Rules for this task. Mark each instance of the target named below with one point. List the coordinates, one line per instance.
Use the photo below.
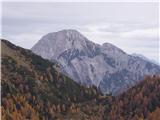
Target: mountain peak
(92, 64)
(69, 34)
(55, 43)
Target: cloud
(150, 33)
(118, 31)
(29, 39)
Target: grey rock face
(105, 66)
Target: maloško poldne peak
(105, 66)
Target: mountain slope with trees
(33, 88)
(142, 102)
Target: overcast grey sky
(133, 27)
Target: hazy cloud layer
(132, 27)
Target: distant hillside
(145, 58)
(142, 102)
(33, 88)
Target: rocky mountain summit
(105, 66)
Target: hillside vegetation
(33, 88)
(142, 102)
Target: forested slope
(33, 88)
(142, 102)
